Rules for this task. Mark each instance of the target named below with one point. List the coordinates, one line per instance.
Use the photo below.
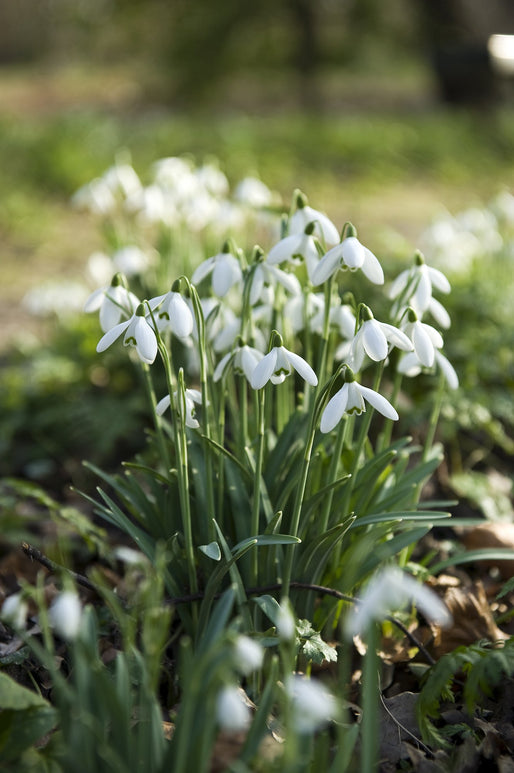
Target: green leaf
(470, 556)
(266, 540)
(312, 645)
(24, 718)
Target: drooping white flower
(285, 622)
(410, 365)
(278, 364)
(232, 710)
(312, 704)
(131, 260)
(253, 192)
(351, 255)
(425, 338)
(266, 275)
(374, 339)
(392, 589)
(65, 615)
(350, 399)
(113, 301)
(191, 396)
(225, 269)
(173, 313)
(414, 285)
(138, 333)
(297, 246)
(323, 226)
(248, 655)
(14, 611)
(305, 311)
(243, 360)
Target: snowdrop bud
(232, 712)
(285, 621)
(14, 611)
(248, 655)
(65, 615)
(313, 705)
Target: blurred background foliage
(385, 114)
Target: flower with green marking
(278, 364)
(138, 333)
(297, 246)
(191, 397)
(225, 269)
(415, 285)
(351, 255)
(350, 399)
(113, 302)
(304, 215)
(375, 338)
(243, 359)
(172, 313)
(265, 275)
(425, 338)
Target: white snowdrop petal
(352, 252)
(334, 410)
(203, 270)
(379, 402)
(371, 268)
(328, 264)
(374, 340)
(162, 405)
(146, 342)
(284, 249)
(112, 335)
(438, 279)
(263, 370)
(303, 368)
(439, 313)
(423, 344)
(448, 370)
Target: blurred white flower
(191, 396)
(350, 399)
(278, 364)
(410, 365)
(62, 298)
(248, 655)
(266, 276)
(113, 301)
(65, 615)
(312, 704)
(131, 260)
(285, 622)
(253, 192)
(232, 710)
(138, 333)
(389, 590)
(14, 611)
(414, 285)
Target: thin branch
(36, 555)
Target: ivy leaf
(312, 645)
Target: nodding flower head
(350, 399)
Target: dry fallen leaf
(492, 535)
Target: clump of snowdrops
(271, 492)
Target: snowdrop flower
(297, 245)
(264, 275)
(14, 611)
(410, 365)
(232, 710)
(254, 193)
(285, 622)
(425, 338)
(312, 704)
(213, 179)
(65, 615)
(95, 197)
(350, 399)
(307, 310)
(415, 285)
(278, 364)
(389, 590)
(131, 260)
(114, 302)
(225, 270)
(248, 655)
(191, 396)
(138, 333)
(373, 338)
(323, 228)
(243, 360)
(173, 313)
(122, 180)
(349, 254)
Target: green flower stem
(332, 473)
(370, 704)
(256, 508)
(434, 418)
(180, 441)
(300, 491)
(220, 458)
(243, 417)
(385, 437)
(161, 440)
(322, 366)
